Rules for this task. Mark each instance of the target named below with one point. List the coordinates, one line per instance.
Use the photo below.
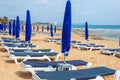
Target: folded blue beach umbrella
(28, 27)
(37, 28)
(51, 30)
(86, 32)
(17, 27)
(4, 26)
(47, 28)
(1, 27)
(22, 28)
(10, 28)
(42, 28)
(14, 28)
(66, 30)
(55, 29)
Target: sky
(105, 12)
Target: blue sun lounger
(32, 66)
(19, 46)
(31, 50)
(29, 55)
(83, 74)
(110, 51)
(90, 47)
(3, 38)
(11, 40)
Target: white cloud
(42, 1)
(87, 13)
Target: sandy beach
(11, 71)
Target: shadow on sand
(10, 61)
(24, 75)
(2, 49)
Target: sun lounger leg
(88, 65)
(98, 78)
(114, 54)
(35, 77)
(72, 79)
(74, 68)
(15, 59)
(7, 49)
(27, 57)
(57, 57)
(117, 75)
(90, 49)
(46, 57)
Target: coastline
(103, 31)
(93, 34)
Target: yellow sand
(11, 71)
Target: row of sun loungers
(89, 47)
(114, 52)
(34, 50)
(18, 46)
(52, 69)
(48, 33)
(78, 44)
(3, 32)
(51, 73)
(22, 51)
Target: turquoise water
(104, 31)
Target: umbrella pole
(28, 45)
(65, 54)
(87, 41)
(64, 59)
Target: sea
(103, 31)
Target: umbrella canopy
(51, 30)
(28, 27)
(86, 32)
(14, 28)
(10, 28)
(17, 27)
(66, 31)
(55, 29)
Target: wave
(105, 31)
